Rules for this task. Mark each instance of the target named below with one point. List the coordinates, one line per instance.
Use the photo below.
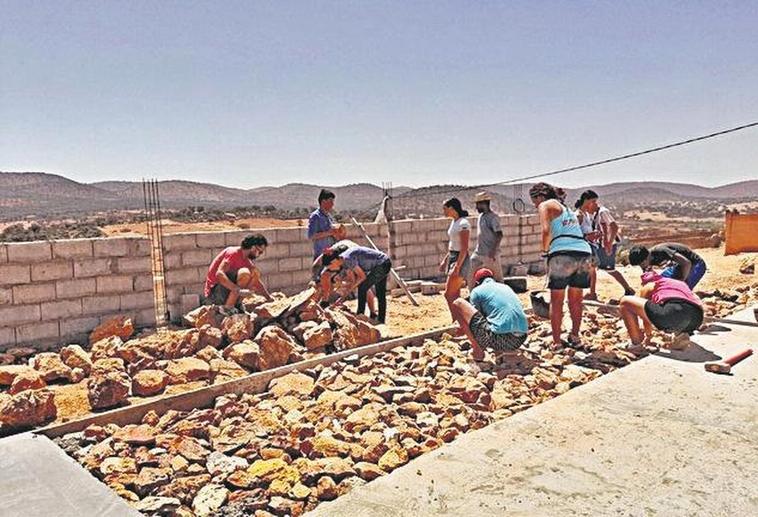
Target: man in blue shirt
(494, 319)
(321, 228)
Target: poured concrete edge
(658, 437)
(38, 479)
(204, 397)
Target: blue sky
(265, 93)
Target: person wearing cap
(321, 228)
(494, 318)
(490, 234)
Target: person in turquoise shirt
(494, 317)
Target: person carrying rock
(370, 267)
(681, 262)
(321, 228)
(234, 270)
(664, 303)
(569, 258)
(487, 252)
(345, 276)
(456, 262)
(494, 317)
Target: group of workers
(576, 243)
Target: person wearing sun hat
(490, 234)
(494, 318)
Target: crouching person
(494, 318)
(667, 304)
(369, 267)
(234, 270)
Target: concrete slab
(38, 479)
(659, 437)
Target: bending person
(328, 279)
(681, 262)
(456, 262)
(664, 303)
(494, 319)
(233, 270)
(569, 258)
(370, 268)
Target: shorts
(697, 271)
(569, 269)
(674, 315)
(465, 267)
(487, 338)
(604, 260)
(219, 293)
(480, 261)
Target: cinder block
(143, 283)
(73, 248)
(172, 260)
(533, 219)
(7, 337)
(267, 266)
(75, 288)
(142, 300)
(15, 314)
(289, 235)
(277, 250)
(145, 318)
(33, 293)
(13, 274)
(71, 327)
(188, 302)
(6, 296)
(408, 238)
(138, 246)
(46, 271)
(279, 280)
(26, 252)
(181, 241)
(110, 247)
(61, 309)
(101, 304)
(210, 240)
(114, 284)
(196, 288)
(234, 238)
(182, 276)
(133, 265)
(301, 278)
(290, 264)
(404, 226)
(94, 267)
(3, 253)
(37, 331)
(196, 258)
(302, 248)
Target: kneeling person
(370, 268)
(233, 270)
(494, 319)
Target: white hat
(482, 196)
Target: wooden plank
(204, 397)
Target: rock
(297, 384)
(299, 330)
(299, 492)
(427, 419)
(393, 458)
(326, 489)
(747, 266)
(208, 354)
(105, 348)
(184, 488)
(223, 370)
(50, 366)
(334, 467)
(467, 388)
(327, 446)
(75, 356)
(27, 380)
(245, 354)
(121, 326)
(368, 471)
(252, 301)
(6, 359)
(141, 434)
(204, 315)
(318, 337)
(188, 447)
(364, 418)
(181, 343)
(109, 364)
(118, 465)
(27, 409)
(77, 375)
(150, 478)
(209, 499)
(275, 347)
(282, 506)
(187, 369)
(9, 372)
(106, 390)
(147, 383)
(274, 469)
(158, 505)
(218, 463)
(210, 336)
(237, 327)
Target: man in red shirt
(232, 270)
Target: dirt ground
(171, 227)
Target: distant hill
(39, 194)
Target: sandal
(574, 341)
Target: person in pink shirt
(233, 270)
(664, 303)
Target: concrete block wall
(56, 292)
(420, 244)
(286, 265)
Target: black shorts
(486, 338)
(569, 269)
(674, 315)
(219, 293)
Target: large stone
(467, 388)
(75, 356)
(334, 467)
(274, 469)
(9, 372)
(368, 471)
(204, 315)
(141, 434)
(326, 489)
(182, 343)
(393, 458)
(300, 329)
(158, 505)
(147, 383)
(318, 337)
(324, 445)
(187, 369)
(106, 390)
(219, 463)
(118, 465)
(184, 488)
(276, 346)
(237, 327)
(150, 478)
(27, 409)
(50, 366)
(121, 326)
(223, 370)
(109, 364)
(27, 380)
(210, 336)
(364, 418)
(245, 354)
(297, 384)
(106, 347)
(209, 499)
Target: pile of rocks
(720, 303)
(217, 347)
(315, 435)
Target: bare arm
(444, 261)
(257, 284)
(684, 263)
(463, 253)
(496, 247)
(544, 211)
(358, 277)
